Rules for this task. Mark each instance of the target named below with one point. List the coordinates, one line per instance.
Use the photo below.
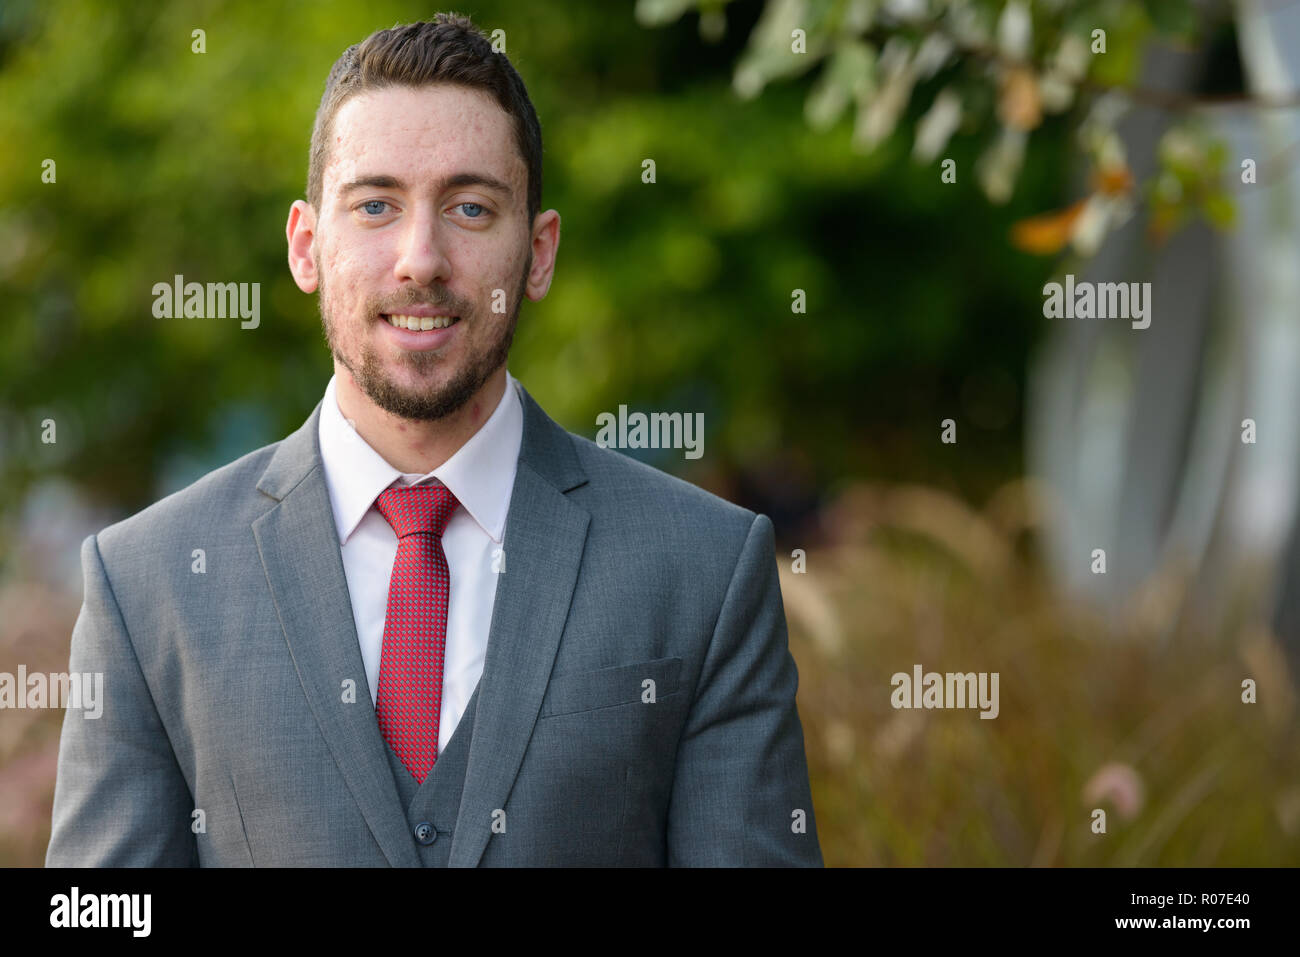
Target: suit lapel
(544, 540)
(299, 548)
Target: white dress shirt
(481, 474)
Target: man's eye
(477, 207)
(374, 202)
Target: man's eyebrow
(476, 179)
(372, 182)
(384, 181)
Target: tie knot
(411, 509)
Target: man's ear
(300, 230)
(546, 244)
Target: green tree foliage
(671, 295)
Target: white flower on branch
(1015, 31)
(937, 126)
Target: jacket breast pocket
(609, 687)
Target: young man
(431, 627)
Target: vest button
(424, 833)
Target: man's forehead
(421, 135)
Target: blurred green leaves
(667, 293)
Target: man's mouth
(420, 323)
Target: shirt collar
(481, 473)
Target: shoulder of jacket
(207, 499)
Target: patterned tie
(409, 701)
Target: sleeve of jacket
(741, 795)
(120, 799)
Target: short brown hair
(446, 49)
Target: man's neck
(410, 446)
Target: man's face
(423, 211)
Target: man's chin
(418, 402)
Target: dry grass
(37, 629)
(1129, 716)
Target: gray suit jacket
(222, 689)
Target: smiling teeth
(421, 324)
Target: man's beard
(436, 403)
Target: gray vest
(432, 807)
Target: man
(431, 627)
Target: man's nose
(422, 258)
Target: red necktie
(409, 701)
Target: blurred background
(941, 460)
